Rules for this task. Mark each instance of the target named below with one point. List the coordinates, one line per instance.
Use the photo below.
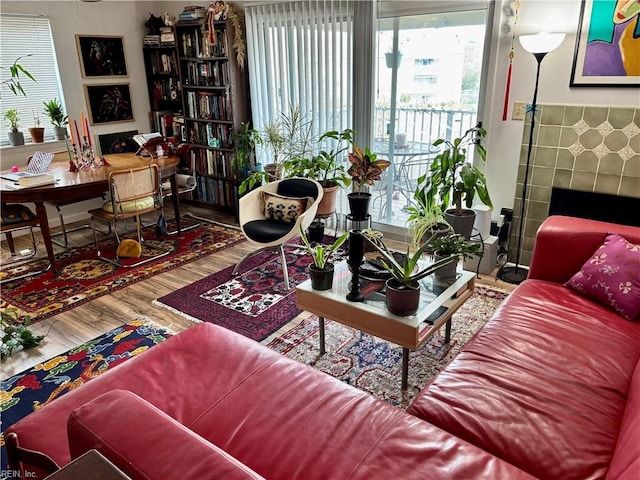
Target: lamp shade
(541, 42)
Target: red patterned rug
(83, 277)
(253, 303)
(374, 365)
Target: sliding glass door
(428, 76)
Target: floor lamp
(539, 45)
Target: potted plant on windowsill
(452, 245)
(16, 137)
(321, 270)
(453, 180)
(36, 132)
(53, 110)
(403, 288)
(365, 169)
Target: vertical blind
(300, 54)
(28, 37)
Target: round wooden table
(83, 184)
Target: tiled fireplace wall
(592, 149)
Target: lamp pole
(539, 45)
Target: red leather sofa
(549, 388)
(551, 384)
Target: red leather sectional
(550, 388)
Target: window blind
(300, 54)
(21, 36)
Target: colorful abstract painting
(607, 44)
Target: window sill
(53, 145)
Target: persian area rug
(374, 365)
(253, 303)
(83, 277)
(34, 388)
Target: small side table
(90, 466)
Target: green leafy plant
(244, 141)
(15, 70)
(36, 120)
(452, 178)
(16, 335)
(365, 168)
(321, 253)
(454, 244)
(324, 166)
(407, 273)
(425, 216)
(13, 118)
(53, 109)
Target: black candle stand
(355, 259)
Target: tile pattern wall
(588, 148)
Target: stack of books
(167, 36)
(151, 40)
(192, 14)
(26, 180)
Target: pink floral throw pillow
(612, 276)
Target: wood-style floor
(69, 329)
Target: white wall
(503, 142)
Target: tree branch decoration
(239, 43)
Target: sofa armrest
(146, 443)
(563, 244)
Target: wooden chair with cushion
(60, 156)
(134, 192)
(272, 215)
(19, 217)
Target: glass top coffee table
(439, 300)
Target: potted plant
(244, 141)
(36, 132)
(53, 110)
(15, 136)
(325, 169)
(452, 179)
(365, 169)
(403, 288)
(321, 270)
(452, 245)
(426, 218)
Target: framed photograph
(109, 103)
(607, 45)
(101, 56)
(117, 142)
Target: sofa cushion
(134, 435)
(543, 385)
(612, 276)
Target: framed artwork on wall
(109, 103)
(607, 51)
(101, 56)
(117, 142)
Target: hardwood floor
(80, 324)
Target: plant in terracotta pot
(365, 169)
(452, 245)
(16, 137)
(321, 270)
(36, 132)
(403, 288)
(325, 168)
(53, 109)
(453, 180)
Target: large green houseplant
(453, 180)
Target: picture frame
(608, 33)
(117, 142)
(109, 103)
(101, 56)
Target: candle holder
(84, 157)
(355, 259)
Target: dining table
(81, 184)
